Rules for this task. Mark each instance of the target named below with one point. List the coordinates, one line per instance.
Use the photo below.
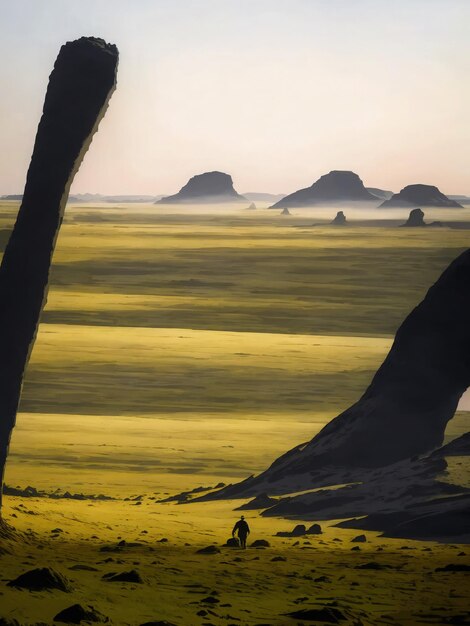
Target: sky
(274, 92)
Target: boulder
(40, 579)
(208, 550)
(76, 614)
(260, 543)
(315, 529)
(285, 211)
(232, 543)
(132, 576)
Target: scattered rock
(278, 558)
(297, 531)
(330, 615)
(359, 539)
(315, 529)
(84, 568)
(252, 207)
(208, 550)
(260, 543)
(210, 600)
(40, 579)
(158, 623)
(372, 565)
(76, 613)
(285, 211)
(454, 567)
(132, 576)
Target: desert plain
(182, 348)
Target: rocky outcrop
(404, 411)
(205, 188)
(337, 186)
(80, 86)
(252, 207)
(285, 211)
(419, 195)
(339, 220)
(415, 219)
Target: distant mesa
(340, 219)
(419, 195)
(337, 186)
(257, 196)
(252, 207)
(208, 187)
(381, 194)
(285, 211)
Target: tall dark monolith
(80, 86)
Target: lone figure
(243, 530)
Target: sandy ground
(251, 587)
(180, 350)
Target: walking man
(243, 530)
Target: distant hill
(382, 194)
(207, 187)
(419, 195)
(461, 199)
(85, 198)
(255, 196)
(17, 197)
(337, 186)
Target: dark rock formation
(339, 220)
(415, 219)
(208, 187)
(80, 86)
(285, 211)
(403, 413)
(336, 186)
(252, 207)
(76, 614)
(39, 579)
(419, 195)
(381, 194)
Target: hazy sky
(274, 92)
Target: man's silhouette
(243, 530)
